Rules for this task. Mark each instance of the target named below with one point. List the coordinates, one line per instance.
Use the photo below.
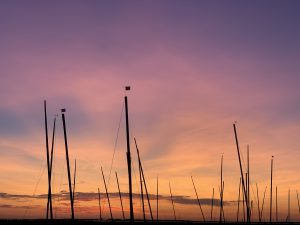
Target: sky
(194, 67)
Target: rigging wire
(115, 145)
(41, 173)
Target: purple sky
(195, 67)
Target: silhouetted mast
(258, 206)
(120, 196)
(68, 164)
(198, 199)
(298, 201)
(248, 181)
(172, 202)
(127, 88)
(239, 198)
(221, 191)
(100, 212)
(49, 201)
(263, 203)
(212, 204)
(111, 216)
(74, 184)
(242, 175)
(143, 178)
(289, 207)
(271, 189)
(276, 205)
(157, 198)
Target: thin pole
(248, 181)
(120, 196)
(239, 198)
(221, 191)
(198, 199)
(49, 201)
(172, 202)
(143, 176)
(129, 160)
(111, 216)
(222, 201)
(68, 163)
(244, 217)
(289, 207)
(142, 193)
(212, 204)
(51, 158)
(263, 203)
(157, 198)
(241, 169)
(258, 206)
(276, 205)
(100, 213)
(271, 189)
(298, 201)
(74, 184)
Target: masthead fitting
(127, 88)
(63, 110)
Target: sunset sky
(194, 67)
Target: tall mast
(298, 201)
(221, 191)
(198, 199)
(276, 205)
(238, 206)
(143, 177)
(111, 216)
(242, 175)
(289, 206)
(212, 204)
(100, 213)
(49, 201)
(258, 206)
(68, 164)
(172, 202)
(127, 88)
(263, 203)
(271, 189)
(248, 181)
(120, 196)
(74, 183)
(157, 198)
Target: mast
(248, 182)
(120, 196)
(271, 189)
(276, 205)
(74, 184)
(258, 207)
(198, 199)
(298, 201)
(221, 191)
(68, 164)
(157, 198)
(49, 201)
(172, 201)
(238, 208)
(100, 213)
(289, 207)
(241, 169)
(263, 203)
(111, 216)
(127, 88)
(143, 178)
(212, 204)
